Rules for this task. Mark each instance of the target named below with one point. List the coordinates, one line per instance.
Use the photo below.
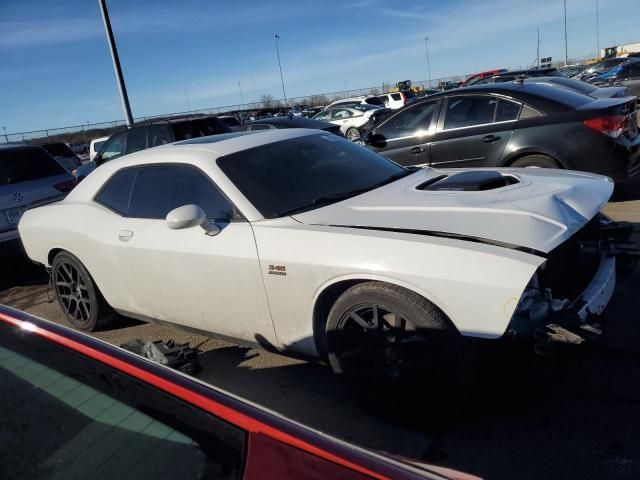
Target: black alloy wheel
(72, 292)
(374, 338)
(77, 294)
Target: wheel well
(52, 255)
(518, 156)
(323, 305)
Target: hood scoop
(471, 181)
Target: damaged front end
(565, 299)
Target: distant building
(620, 50)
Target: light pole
(426, 44)
(598, 27)
(538, 49)
(116, 63)
(276, 37)
(4, 130)
(566, 49)
(241, 95)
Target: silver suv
(29, 177)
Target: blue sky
(56, 69)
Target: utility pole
(538, 50)
(598, 27)
(276, 37)
(116, 63)
(4, 130)
(255, 92)
(426, 44)
(241, 95)
(566, 49)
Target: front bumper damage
(598, 253)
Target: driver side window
(417, 118)
(114, 147)
(340, 114)
(159, 189)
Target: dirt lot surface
(527, 418)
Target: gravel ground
(577, 416)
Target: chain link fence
(83, 134)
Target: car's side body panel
(476, 285)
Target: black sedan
(514, 125)
(289, 121)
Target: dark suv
(152, 134)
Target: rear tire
(540, 161)
(77, 294)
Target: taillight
(612, 125)
(404, 98)
(65, 187)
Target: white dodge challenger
(300, 241)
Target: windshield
(26, 163)
(58, 150)
(305, 172)
(577, 85)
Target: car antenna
(526, 74)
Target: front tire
(353, 135)
(78, 295)
(382, 331)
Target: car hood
(542, 210)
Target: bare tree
(267, 101)
(318, 100)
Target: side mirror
(189, 216)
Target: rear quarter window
(27, 163)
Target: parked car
(393, 101)
(626, 75)
(64, 155)
(95, 145)
(29, 176)
(230, 121)
(601, 67)
(76, 407)
(350, 119)
(152, 134)
(581, 87)
(291, 122)
(572, 71)
(343, 254)
(514, 125)
(347, 102)
(511, 75)
(480, 75)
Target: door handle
(490, 139)
(125, 235)
(417, 150)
